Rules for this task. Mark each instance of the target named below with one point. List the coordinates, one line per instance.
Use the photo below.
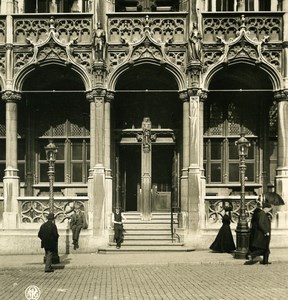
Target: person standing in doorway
(48, 234)
(78, 222)
(118, 227)
(260, 235)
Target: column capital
(11, 96)
(95, 93)
(194, 92)
(109, 97)
(281, 95)
(203, 96)
(183, 96)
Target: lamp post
(242, 230)
(51, 151)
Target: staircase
(150, 235)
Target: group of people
(259, 238)
(48, 234)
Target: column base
(10, 220)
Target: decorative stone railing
(263, 37)
(35, 209)
(69, 27)
(215, 207)
(226, 25)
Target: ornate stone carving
(146, 137)
(195, 44)
(99, 41)
(11, 96)
(161, 39)
(244, 39)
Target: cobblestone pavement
(180, 279)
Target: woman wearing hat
(48, 234)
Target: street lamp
(51, 151)
(242, 230)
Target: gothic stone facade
(144, 101)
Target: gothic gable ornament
(52, 48)
(243, 47)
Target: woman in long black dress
(224, 240)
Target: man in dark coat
(260, 234)
(78, 222)
(48, 234)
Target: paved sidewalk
(76, 259)
(195, 275)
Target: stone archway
(54, 106)
(147, 122)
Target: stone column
(185, 162)
(196, 199)
(11, 180)
(107, 159)
(282, 167)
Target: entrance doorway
(146, 181)
(130, 176)
(147, 124)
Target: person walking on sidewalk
(224, 240)
(260, 235)
(118, 227)
(78, 222)
(48, 234)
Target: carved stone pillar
(195, 179)
(185, 160)
(96, 182)
(107, 158)
(11, 180)
(282, 167)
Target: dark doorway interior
(130, 168)
(162, 158)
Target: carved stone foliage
(67, 39)
(2, 61)
(154, 37)
(250, 37)
(2, 31)
(68, 29)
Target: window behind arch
(59, 6)
(146, 5)
(224, 5)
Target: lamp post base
(242, 238)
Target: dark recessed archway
(53, 77)
(240, 76)
(147, 91)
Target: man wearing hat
(48, 234)
(78, 222)
(260, 234)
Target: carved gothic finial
(243, 22)
(52, 23)
(146, 23)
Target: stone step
(144, 248)
(161, 243)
